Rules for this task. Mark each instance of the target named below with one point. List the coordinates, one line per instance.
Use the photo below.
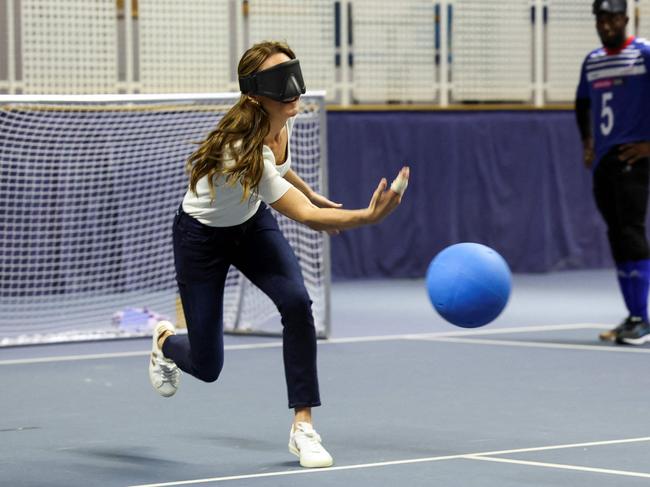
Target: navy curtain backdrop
(513, 180)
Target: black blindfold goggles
(283, 82)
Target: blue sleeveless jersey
(618, 86)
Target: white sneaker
(304, 442)
(164, 374)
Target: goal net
(88, 190)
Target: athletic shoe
(611, 335)
(164, 374)
(636, 335)
(305, 443)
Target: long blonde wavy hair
(247, 122)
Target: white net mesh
(184, 46)
(394, 51)
(308, 27)
(81, 46)
(88, 193)
(571, 36)
(644, 19)
(492, 51)
(68, 46)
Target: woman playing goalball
(242, 166)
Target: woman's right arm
(297, 206)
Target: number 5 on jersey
(606, 114)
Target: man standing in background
(613, 115)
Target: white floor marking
(469, 456)
(528, 329)
(562, 447)
(626, 473)
(70, 358)
(526, 344)
(333, 341)
(97, 356)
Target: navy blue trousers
(202, 256)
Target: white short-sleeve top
(227, 208)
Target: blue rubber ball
(469, 284)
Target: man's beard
(614, 42)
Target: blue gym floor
(533, 399)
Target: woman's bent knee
(296, 305)
(208, 374)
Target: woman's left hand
(322, 202)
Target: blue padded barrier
(513, 180)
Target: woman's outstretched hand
(384, 200)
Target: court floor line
(562, 466)
(138, 353)
(528, 344)
(470, 456)
(331, 341)
(343, 340)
